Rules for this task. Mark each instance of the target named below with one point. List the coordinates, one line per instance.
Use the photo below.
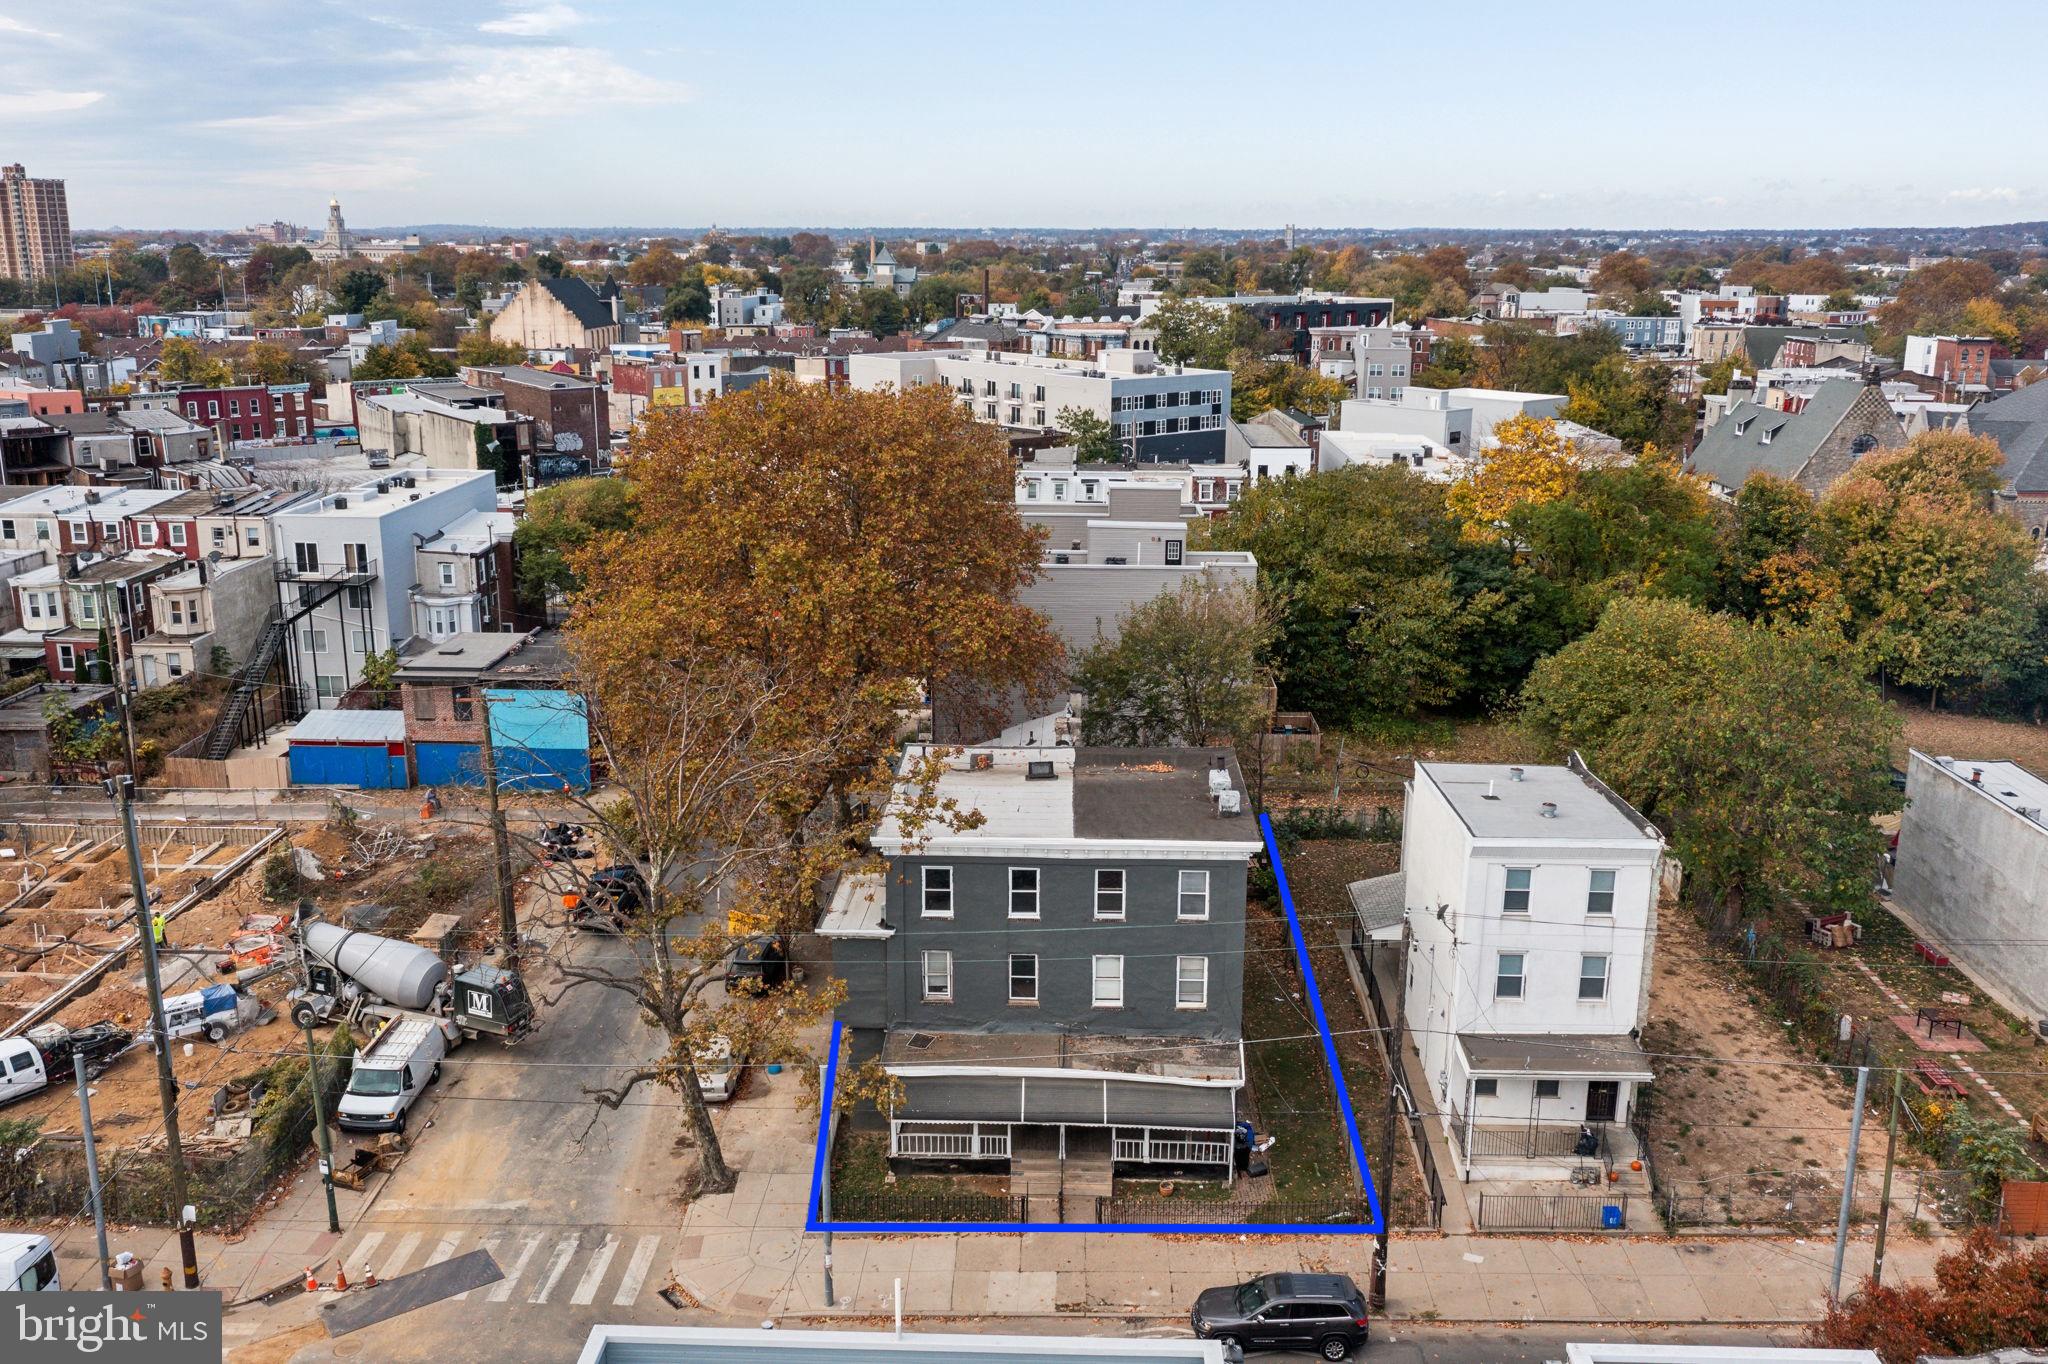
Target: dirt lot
(384, 875)
(1761, 1124)
(1972, 736)
(1373, 766)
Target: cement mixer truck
(348, 973)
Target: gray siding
(1065, 938)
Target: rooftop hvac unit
(1219, 779)
(1038, 771)
(1229, 802)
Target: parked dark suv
(1320, 1312)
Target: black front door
(1601, 1096)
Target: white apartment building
(1461, 420)
(734, 307)
(1160, 411)
(346, 564)
(1205, 489)
(1530, 896)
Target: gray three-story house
(1065, 979)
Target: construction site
(70, 956)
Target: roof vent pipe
(1976, 776)
(1514, 774)
(1549, 810)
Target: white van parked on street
(28, 1264)
(390, 1073)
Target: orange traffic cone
(312, 1284)
(369, 1277)
(340, 1277)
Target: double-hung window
(1023, 978)
(938, 892)
(1023, 892)
(1194, 895)
(1109, 982)
(1515, 900)
(1593, 976)
(1507, 976)
(1600, 894)
(1109, 892)
(1191, 982)
(938, 975)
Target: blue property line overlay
(1371, 1226)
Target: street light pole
(92, 1170)
(166, 1083)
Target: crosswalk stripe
(565, 1250)
(396, 1264)
(366, 1248)
(636, 1272)
(502, 1290)
(489, 1245)
(586, 1287)
(445, 1250)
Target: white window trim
(1180, 903)
(1122, 892)
(1015, 892)
(925, 888)
(1606, 961)
(1095, 982)
(1521, 975)
(944, 961)
(1010, 982)
(1180, 965)
(1591, 890)
(1528, 892)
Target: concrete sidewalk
(746, 1254)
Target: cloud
(1982, 196)
(534, 21)
(8, 25)
(30, 103)
(493, 90)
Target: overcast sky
(1572, 113)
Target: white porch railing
(1169, 1146)
(950, 1141)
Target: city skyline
(532, 113)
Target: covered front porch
(1545, 1107)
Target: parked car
(28, 1264)
(719, 1071)
(610, 901)
(1321, 1312)
(759, 962)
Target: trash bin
(127, 1273)
(1610, 1216)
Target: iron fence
(1404, 1091)
(1336, 1210)
(1553, 1212)
(915, 1207)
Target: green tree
(477, 348)
(1261, 385)
(411, 358)
(689, 301)
(807, 294)
(1193, 333)
(559, 520)
(1761, 751)
(1716, 377)
(1361, 566)
(1093, 438)
(183, 362)
(380, 676)
(1640, 528)
(877, 310)
(1453, 363)
(1187, 667)
(354, 290)
(1629, 400)
(490, 454)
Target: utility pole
(1884, 1206)
(166, 1083)
(1849, 1182)
(117, 671)
(92, 1170)
(320, 1125)
(501, 843)
(1396, 1040)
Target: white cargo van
(400, 1061)
(27, 1264)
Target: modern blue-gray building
(1644, 333)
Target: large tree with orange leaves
(1985, 1295)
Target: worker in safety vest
(157, 924)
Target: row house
(73, 520)
(571, 416)
(1060, 988)
(204, 616)
(251, 412)
(464, 577)
(63, 607)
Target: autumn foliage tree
(1531, 463)
(798, 561)
(1986, 1294)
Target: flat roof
(857, 906)
(2001, 779)
(1614, 1055)
(350, 727)
(728, 1345)
(1194, 1059)
(1501, 801)
(1135, 795)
